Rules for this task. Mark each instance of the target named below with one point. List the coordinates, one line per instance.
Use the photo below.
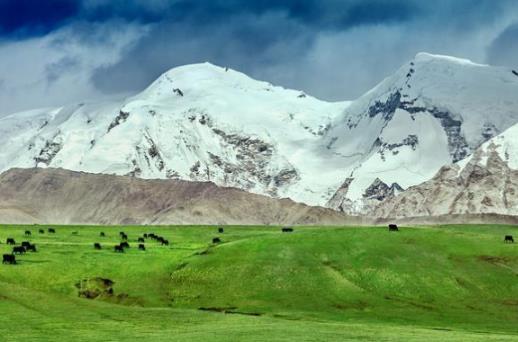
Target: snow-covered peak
(433, 111)
(205, 122)
(204, 79)
(425, 57)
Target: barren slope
(61, 196)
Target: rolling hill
(61, 196)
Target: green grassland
(455, 283)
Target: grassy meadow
(455, 283)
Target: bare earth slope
(483, 184)
(61, 196)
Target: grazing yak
(28, 233)
(97, 245)
(19, 250)
(51, 230)
(220, 230)
(41, 231)
(140, 239)
(141, 247)
(287, 230)
(145, 235)
(28, 246)
(9, 259)
(508, 239)
(124, 244)
(216, 240)
(10, 241)
(102, 234)
(393, 228)
(118, 248)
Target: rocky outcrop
(484, 185)
(380, 191)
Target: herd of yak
(26, 246)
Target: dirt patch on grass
(218, 309)
(229, 310)
(494, 259)
(102, 288)
(93, 288)
(510, 302)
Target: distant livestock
(393, 228)
(9, 259)
(28, 233)
(10, 241)
(19, 250)
(216, 240)
(118, 248)
(102, 234)
(41, 231)
(26, 244)
(124, 244)
(124, 237)
(220, 230)
(97, 245)
(31, 248)
(508, 239)
(141, 247)
(287, 230)
(140, 239)
(51, 230)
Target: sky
(57, 52)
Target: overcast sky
(54, 52)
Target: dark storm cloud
(242, 35)
(334, 49)
(22, 18)
(504, 49)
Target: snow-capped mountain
(198, 122)
(485, 182)
(433, 111)
(202, 122)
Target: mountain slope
(433, 111)
(197, 122)
(485, 182)
(60, 196)
(205, 123)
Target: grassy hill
(316, 284)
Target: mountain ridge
(59, 196)
(206, 123)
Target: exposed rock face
(376, 193)
(68, 197)
(486, 184)
(457, 144)
(380, 191)
(339, 200)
